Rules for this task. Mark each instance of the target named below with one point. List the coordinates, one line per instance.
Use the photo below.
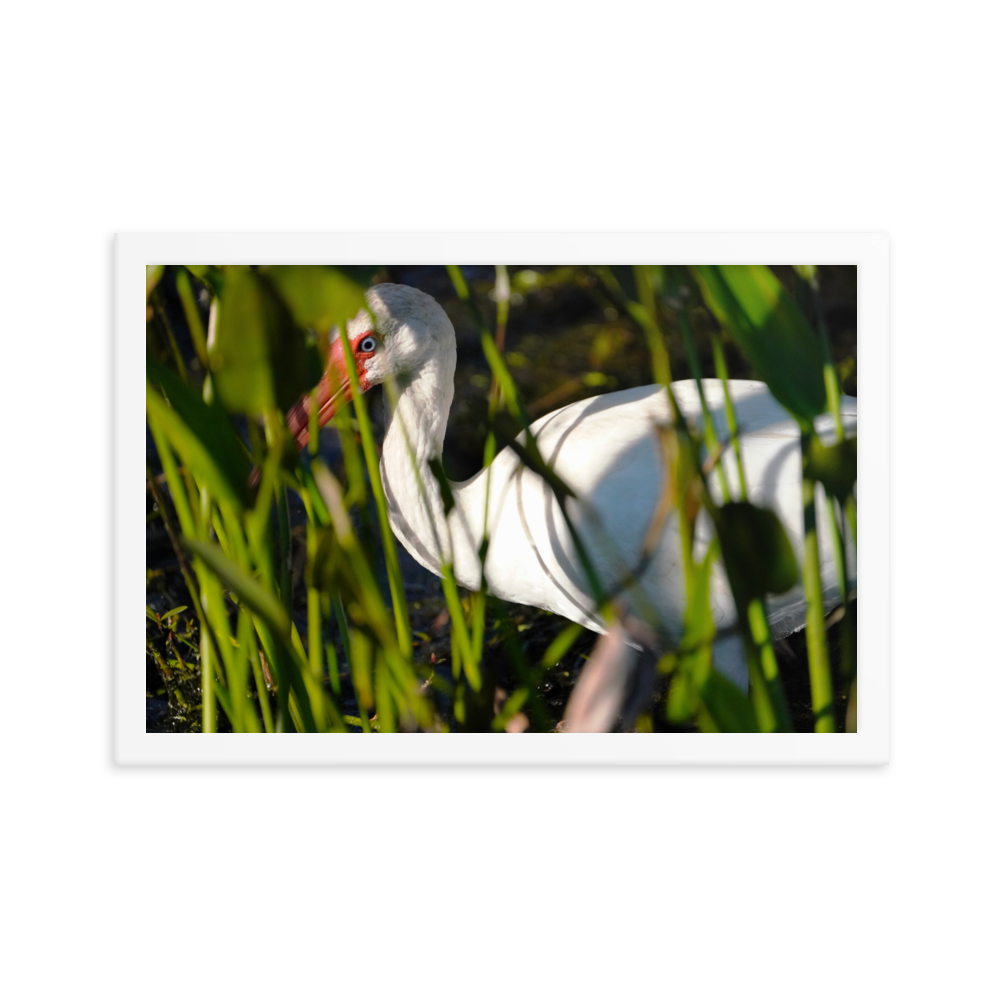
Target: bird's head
(402, 331)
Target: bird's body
(608, 451)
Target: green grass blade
(207, 685)
(193, 317)
(200, 434)
(561, 645)
(460, 631)
(249, 590)
(263, 697)
(708, 424)
(820, 678)
(779, 719)
(721, 372)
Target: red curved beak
(333, 391)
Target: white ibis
(605, 449)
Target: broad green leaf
(200, 433)
(319, 296)
(836, 466)
(750, 302)
(729, 707)
(207, 274)
(250, 591)
(259, 357)
(758, 556)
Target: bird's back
(608, 451)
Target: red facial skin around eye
(360, 359)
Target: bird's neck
(418, 418)
(416, 427)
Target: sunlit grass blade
(195, 326)
(244, 717)
(561, 645)
(263, 697)
(271, 618)
(385, 703)
(775, 718)
(819, 657)
(256, 597)
(396, 589)
(294, 709)
(691, 663)
(362, 652)
(722, 372)
(343, 567)
(460, 631)
(644, 312)
(207, 684)
(190, 526)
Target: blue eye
(367, 345)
